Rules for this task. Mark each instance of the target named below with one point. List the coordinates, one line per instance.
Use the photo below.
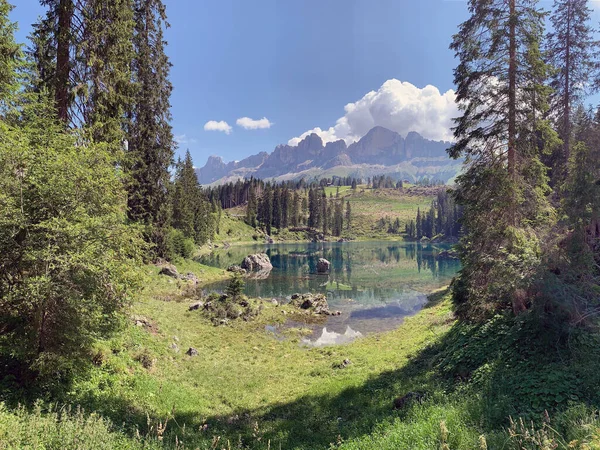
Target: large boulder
(257, 263)
(169, 270)
(323, 265)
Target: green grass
(248, 387)
(232, 228)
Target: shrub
(68, 258)
(179, 245)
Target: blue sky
(297, 63)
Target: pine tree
(576, 261)
(277, 208)
(338, 218)
(83, 52)
(265, 209)
(325, 212)
(150, 137)
(314, 208)
(295, 211)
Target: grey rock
(315, 303)
(195, 306)
(345, 363)
(257, 262)
(169, 270)
(141, 321)
(190, 277)
(192, 352)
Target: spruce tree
(149, 134)
(186, 197)
(498, 133)
(251, 208)
(573, 52)
(10, 58)
(108, 52)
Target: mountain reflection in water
(332, 338)
(374, 284)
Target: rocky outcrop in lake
(315, 303)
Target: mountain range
(379, 152)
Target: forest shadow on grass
(508, 367)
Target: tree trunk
(63, 66)
(567, 98)
(512, 101)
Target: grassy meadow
(250, 389)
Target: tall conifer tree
(496, 131)
(573, 52)
(150, 137)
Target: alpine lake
(374, 284)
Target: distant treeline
(230, 195)
(443, 218)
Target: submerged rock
(257, 263)
(236, 269)
(323, 265)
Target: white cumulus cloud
(398, 106)
(251, 124)
(213, 125)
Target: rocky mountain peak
(379, 151)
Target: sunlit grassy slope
(367, 206)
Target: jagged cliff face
(379, 152)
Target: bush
(179, 245)
(235, 288)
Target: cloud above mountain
(213, 125)
(398, 106)
(251, 124)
